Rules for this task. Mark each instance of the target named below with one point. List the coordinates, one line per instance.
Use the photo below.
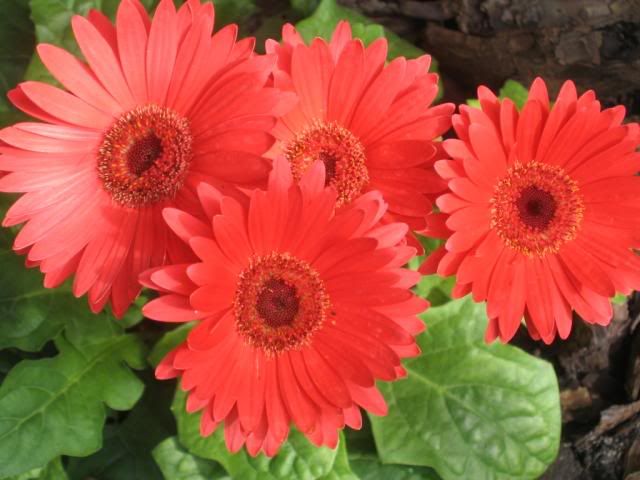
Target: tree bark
(595, 43)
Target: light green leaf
(514, 91)
(434, 288)
(329, 13)
(56, 406)
(178, 464)
(474, 102)
(126, 453)
(368, 467)
(367, 32)
(298, 458)
(16, 46)
(619, 299)
(468, 409)
(52, 471)
(168, 342)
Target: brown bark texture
(595, 43)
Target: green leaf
(233, 11)
(16, 46)
(134, 315)
(468, 409)
(52, 19)
(168, 342)
(56, 406)
(368, 467)
(31, 314)
(363, 458)
(126, 453)
(514, 91)
(53, 471)
(474, 102)
(298, 458)
(367, 32)
(178, 464)
(329, 13)
(619, 299)
(436, 289)
(304, 7)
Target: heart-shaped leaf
(468, 409)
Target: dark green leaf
(363, 458)
(56, 406)
(298, 458)
(134, 316)
(168, 342)
(53, 471)
(31, 314)
(304, 8)
(468, 409)
(126, 453)
(16, 46)
(178, 464)
(368, 467)
(233, 11)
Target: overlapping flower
(373, 125)
(273, 199)
(159, 107)
(278, 287)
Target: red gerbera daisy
(372, 126)
(543, 213)
(160, 107)
(301, 309)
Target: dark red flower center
(277, 303)
(536, 208)
(280, 302)
(341, 152)
(145, 156)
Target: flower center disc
(341, 152)
(280, 302)
(536, 208)
(145, 155)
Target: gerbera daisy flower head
(159, 106)
(300, 309)
(543, 213)
(372, 125)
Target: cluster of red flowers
(275, 198)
